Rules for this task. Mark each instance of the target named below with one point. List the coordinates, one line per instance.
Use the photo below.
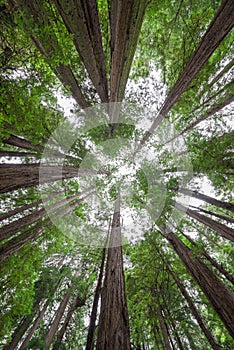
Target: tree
(91, 52)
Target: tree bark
(221, 229)
(17, 154)
(207, 199)
(216, 292)
(81, 20)
(57, 318)
(220, 26)
(164, 330)
(16, 176)
(113, 330)
(17, 141)
(219, 216)
(93, 316)
(77, 302)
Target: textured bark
(164, 330)
(220, 26)
(17, 141)
(221, 229)
(211, 260)
(19, 332)
(81, 20)
(93, 316)
(220, 297)
(113, 330)
(211, 112)
(15, 176)
(126, 18)
(48, 45)
(57, 318)
(77, 302)
(207, 199)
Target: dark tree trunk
(17, 154)
(219, 216)
(207, 199)
(17, 141)
(93, 316)
(221, 229)
(210, 259)
(19, 332)
(16, 176)
(75, 304)
(57, 318)
(220, 26)
(81, 20)
(113, 330)
(164, 330)
(216, 292)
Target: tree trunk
(57, 318)
(219, 216)
(16, 176)
(221, 229)
(212, 111)
(216, 292)
(207, 199)
(17, 141)
(220, 26)
(164, 329)
(81, 20)
(93, 316)
(113, 330)
(75, 304)
(17, 154)
(19, 332)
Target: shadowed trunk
(17, 154)
(16, 176)
(219, 216)
(113, 329)
(17, 141)
(220, 26)
(75, 304)
(221, 229)
(216, 292)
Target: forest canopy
(116, 175)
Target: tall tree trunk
(93, 316)
(219, 216)
(16, 176)
(164, 330)
(81, 20)
(216, 292)
(17, 154)
(207, 199)
(126, 18)
(210, 259)
(113, 330)
(220, 26)
(77, 302)
(17, 141)
(48, 44)
(57, 318)
(19, 332)
(221, 229)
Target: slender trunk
(219, 216)
(57, 318)
(17, 154)
(221, 229)
(216, 292)
(81, 20)
(93, 316)
(220, 26)
(113, 330)
(212, 111)
(207, 199)
(17, 176)
(222, 72)
(77, 302)
(19, 332)
(17, 141)
(35, 325)
(164, 329)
